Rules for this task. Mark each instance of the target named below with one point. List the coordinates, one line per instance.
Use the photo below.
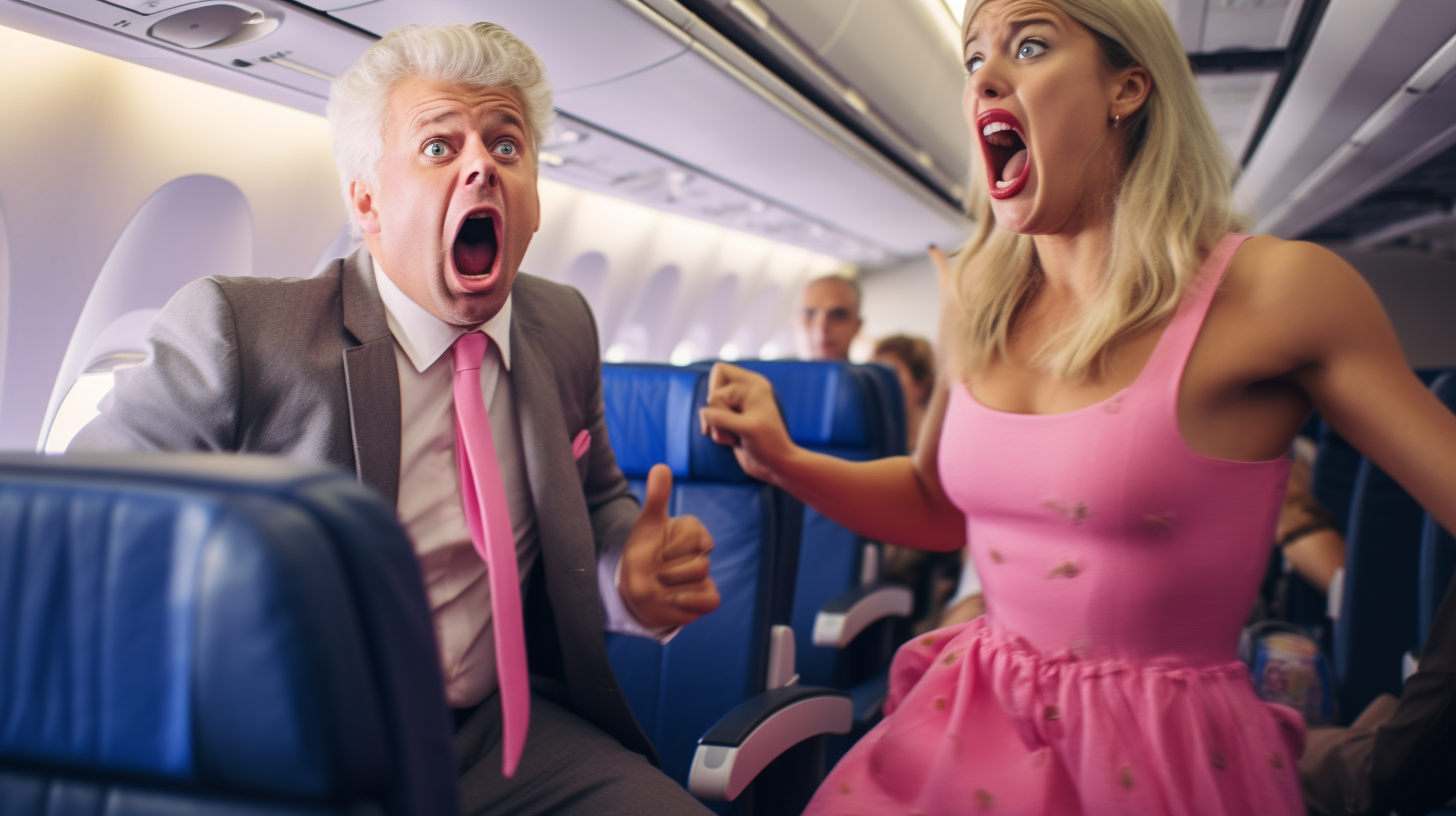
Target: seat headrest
(826, 404)
(219, 622)
(652, 417)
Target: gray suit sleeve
(185, 396)
(608, 497)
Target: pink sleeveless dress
(1119, 566)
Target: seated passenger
(469, 396)
(1399, 756)
(1124, 376)
(828, 318)
(1307, 534)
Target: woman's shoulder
(1294, 293)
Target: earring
(1116, 120)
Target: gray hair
(480, 55)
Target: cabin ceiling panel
(1256, 25)
(900, 60)
(582, 42)
(693, 111)
(1362, 53)
(1234, 103)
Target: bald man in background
(828, 318)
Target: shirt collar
(425, 337)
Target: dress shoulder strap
(1176, 344)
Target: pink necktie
(484, 496)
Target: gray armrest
(842, 619)
(755, 733)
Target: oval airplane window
(709, 322)
(654, 305)
(588, 273)
(83, 402)
(190, 227)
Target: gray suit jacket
(305, 368)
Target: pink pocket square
(581, 444)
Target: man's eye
(506, 149)
(436, 150)
(1031, 48)
(974, 64)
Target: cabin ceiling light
(214, 25)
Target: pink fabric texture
(489, 520)
(1119, 566)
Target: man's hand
(664, 579)
(742, 412)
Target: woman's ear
(1131, 92)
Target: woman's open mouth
(477, 245)
(1008, 160)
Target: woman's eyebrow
(1018, 25)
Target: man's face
(455, 204)
(829, 319)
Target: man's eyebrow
(421, 122)
(506, 117)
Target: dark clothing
(1400, 755)
(569, 768)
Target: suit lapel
(372, 379)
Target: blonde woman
(1124, 376)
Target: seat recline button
(201, 27)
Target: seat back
(854, 412)
(681, 689)
(1377, 621)
(1438, 548)
(212, 634)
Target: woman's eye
(436, 150)
(974, 65)
(506, 149)
(1031, 48)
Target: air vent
(215, 25)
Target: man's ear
(1131, 92)
(361, 206)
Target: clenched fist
(664, 579)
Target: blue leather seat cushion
(680, 690)
(652, 417)
(201, 630)
(23, 794)
(824, 403)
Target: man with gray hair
(469, 396)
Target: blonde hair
(481, 55)
(1173, 204)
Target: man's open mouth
(1008, 160)
(476, 245)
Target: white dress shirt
(429, 503)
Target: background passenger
(1399, 756)
(375, 363)
(914, 363)
(828, 318)
(1125, 376)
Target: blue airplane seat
(210, 635)
(855, 412)
(721, 699)
(1377, 621)
(1438, 548)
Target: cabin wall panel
(1418, 291)
(899, 299)
(85, 139)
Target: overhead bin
(619, 66)
(292, 63)
(1334, 139)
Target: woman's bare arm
(897, 500)
(1360, 382)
